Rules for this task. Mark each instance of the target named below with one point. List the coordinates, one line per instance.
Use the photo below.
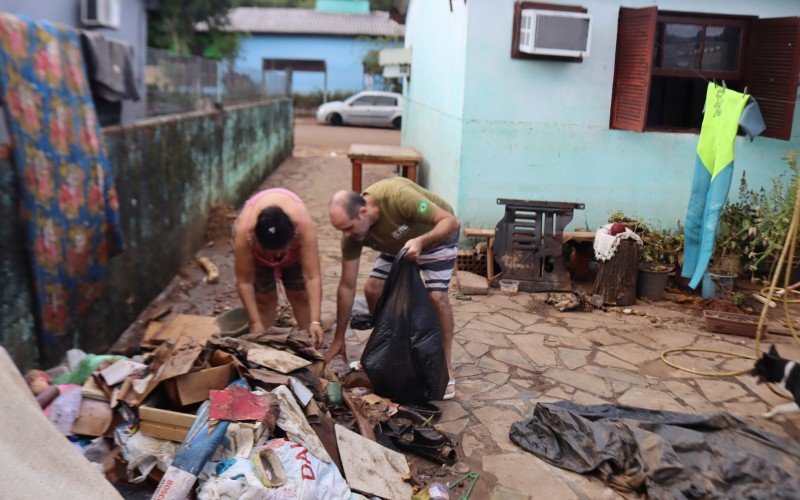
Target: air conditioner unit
(555, 33)
(397, 71)
(103, 13)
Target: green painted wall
(344, 6)
(169, 172)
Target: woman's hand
(317, 333)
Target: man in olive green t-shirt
(388, 216)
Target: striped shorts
(436, 267)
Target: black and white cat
(776, 370)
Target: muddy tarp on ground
(663, 454)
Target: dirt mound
(220, 223)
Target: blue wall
(434, 97)
(342, 55)
(540, 129)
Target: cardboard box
(164, 424)
(194, 387)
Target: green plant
(765, 215)
(661, 247)
(734, 233)
(311, 100)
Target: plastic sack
(306, 477)
(143, 453)
(403, 357)
(88, 365)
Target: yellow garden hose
(769, 292)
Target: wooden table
(403, 156)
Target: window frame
(744, 23)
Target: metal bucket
(651, 284)
(233, 323)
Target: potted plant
(660, 255)
(764, 232)
(733, 236)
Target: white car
(365, 108)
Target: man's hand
(257, 327)
(317, 333)
(337, 348)
(413, 249)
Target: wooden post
(616, 278)
(356, 176)
(412, 172)
(489, 257)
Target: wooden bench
(405, 157)
(575, 236)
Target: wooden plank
(191, 327)
(275, 359)
(165, 417)
(578, 236)
(163, 431)
(370, 468)
(383, 153)
(478, 233)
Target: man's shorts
(436, 267)
(291, 277)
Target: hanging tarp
(663, 454)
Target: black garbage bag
(662, 454)
(403, 357)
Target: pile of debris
(251, 416)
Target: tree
(172, 27)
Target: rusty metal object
(528, 244)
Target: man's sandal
(450, 391)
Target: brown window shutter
(774, 68)
(635, 42)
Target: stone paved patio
(512, 352)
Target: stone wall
(169, 172)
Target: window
(385, 101)
(665, 58)
(366, 100)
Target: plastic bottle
(438, 491)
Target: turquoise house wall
(434, 95)
(342, 55)
(345, 6)
(540, 129)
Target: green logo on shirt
(422, 207)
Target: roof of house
(311, 22)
